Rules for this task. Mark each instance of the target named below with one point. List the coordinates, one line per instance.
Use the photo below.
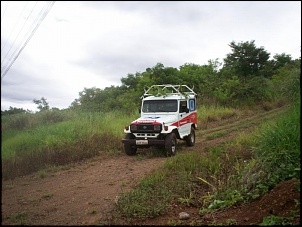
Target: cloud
(85, 44)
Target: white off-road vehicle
(168, 112)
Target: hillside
(85, 193)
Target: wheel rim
(192, 138)
(173, 147)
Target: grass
(208, 114)
(27, 148)
(19, 218)
(273, 220)
(237, 171)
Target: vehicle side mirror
(139, 111)
(187, 110)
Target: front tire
(190, 140)
(170, 144)
(130, 149)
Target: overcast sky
(82, 44)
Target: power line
(4, 10)
(16, 54)
(18, 33)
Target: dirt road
(84, 194)
(80, 195)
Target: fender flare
(170, 129)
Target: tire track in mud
(236, 125)
(217, 132)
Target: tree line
(247, 76)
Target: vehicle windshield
(150, 106)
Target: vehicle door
(184, 123)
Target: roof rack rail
(168, 89)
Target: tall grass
(60, 138)
(239, 170)
(212, 113)
(279, 147)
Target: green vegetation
(77, 136)
(19, 218)
(276, 220)
(238, 170)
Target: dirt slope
(84, 194)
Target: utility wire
(26, 35)
(18, 33)
(4, 10)
(13, 28)
(3, 73)
(20, 47)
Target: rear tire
(130, 149)
(170, 144)
(190, 139)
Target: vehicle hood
(156, 118)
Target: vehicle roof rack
(168, 89)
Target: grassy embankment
(32, 142)
(239, 170)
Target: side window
(192, 105)
(182, 106)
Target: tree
(131, 80)
(246, 59)
(202, 78)
(227, 91)
(42, 104)
(14, 110)
(88, 99)
(281, 60)
(163, 75)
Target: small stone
(184, 216)
(116, 199)
(207, 217)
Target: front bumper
(143, 142)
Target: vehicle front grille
(145, 128)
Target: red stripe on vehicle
(192, 118)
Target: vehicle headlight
(133, 127)
(156, 127)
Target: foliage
(246, 58)
(42, 104)
(225, 174)
(64, 137)
(281, 60)
(279, 147)
(148, 200)
(17, 121)
(226, 92)
(247, 77)
(287, 80)
(273, 220)
(19, 218)
(23, 121)
(13, 110)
